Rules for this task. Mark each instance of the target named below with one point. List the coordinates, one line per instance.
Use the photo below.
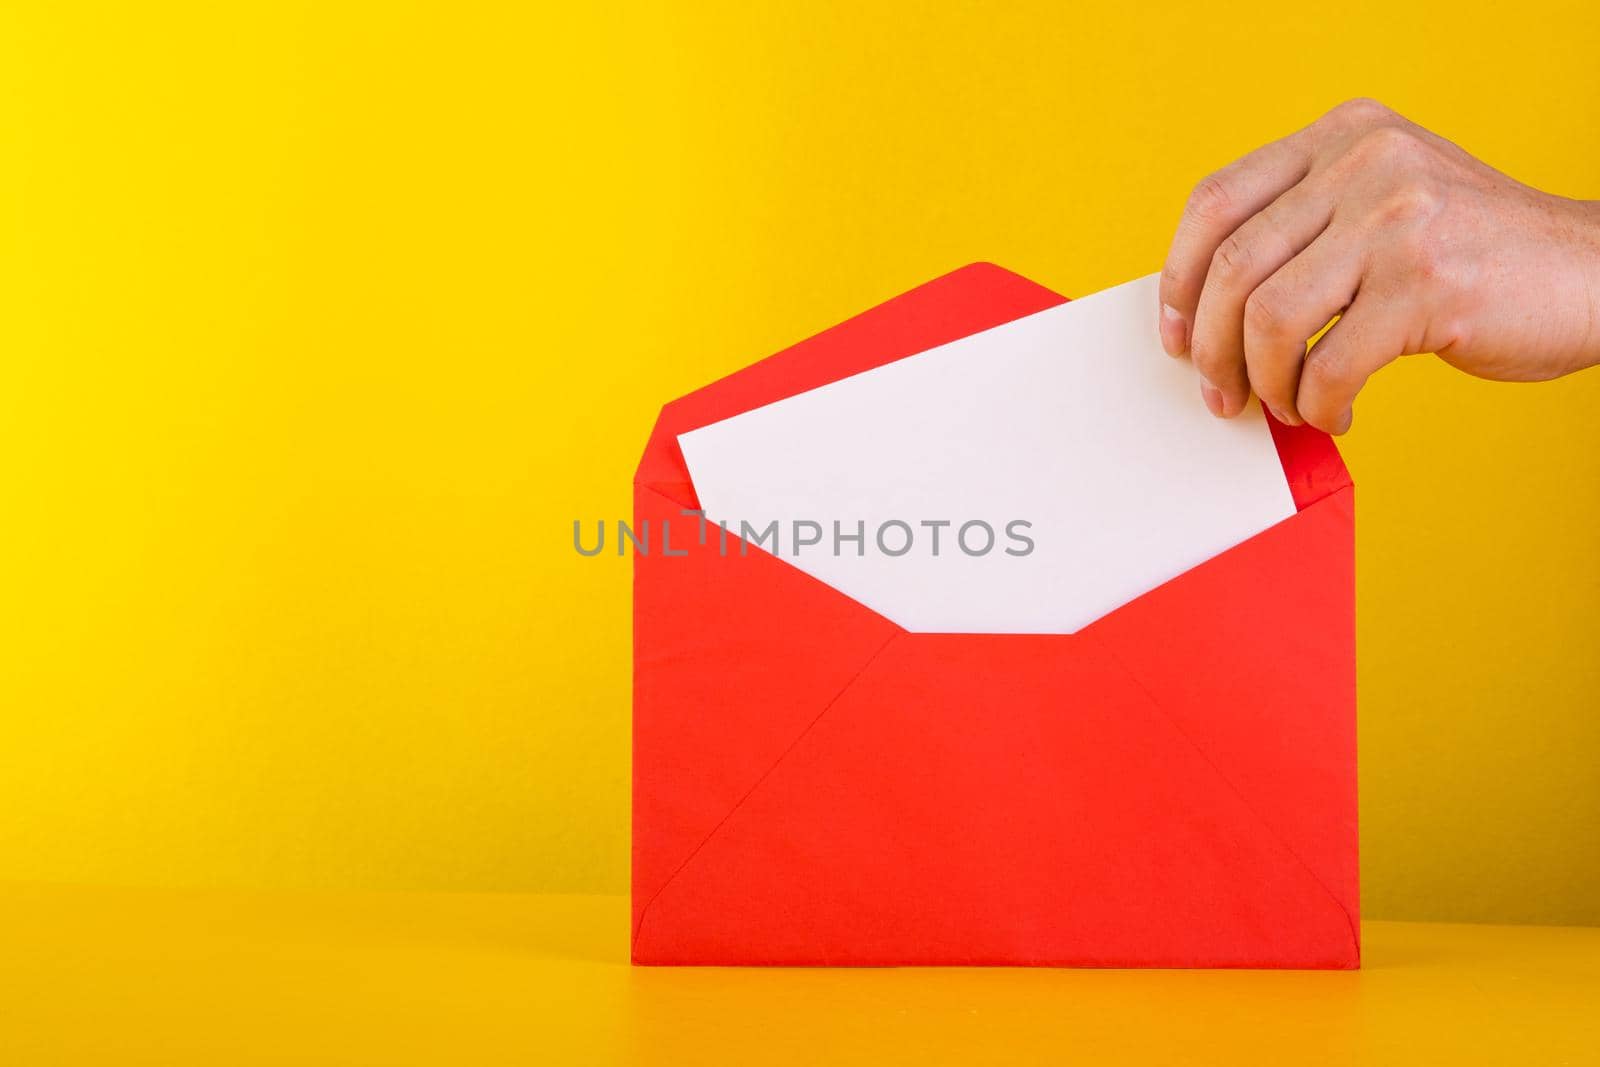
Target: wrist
(1589, 269)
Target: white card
(1071, 420)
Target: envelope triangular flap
(965, 301)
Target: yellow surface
(321, 322)
(174, 978)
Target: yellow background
(237, 978)
(320, 323)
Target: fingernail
(1212, 396)
(1174, 331)
(1344, 421)
(1287, 420)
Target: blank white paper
(1072, 420)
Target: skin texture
(1411, 243)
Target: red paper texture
(1172, 786)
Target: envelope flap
(965, 301)
(976, 297)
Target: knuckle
(1210, 199)
(1361, 110)
(1322, 382)
(1388, 145)
(1412, 201)
(1265, 315)
(1322, 370)
(1231, 260)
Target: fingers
(1258, 266)
(1217, 207)
(1288, 309)
(1246, 259)
(1368, 336)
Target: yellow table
(121, 977)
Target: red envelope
(1172, 786)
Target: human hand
(1412, 243)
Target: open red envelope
(1172, 786)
